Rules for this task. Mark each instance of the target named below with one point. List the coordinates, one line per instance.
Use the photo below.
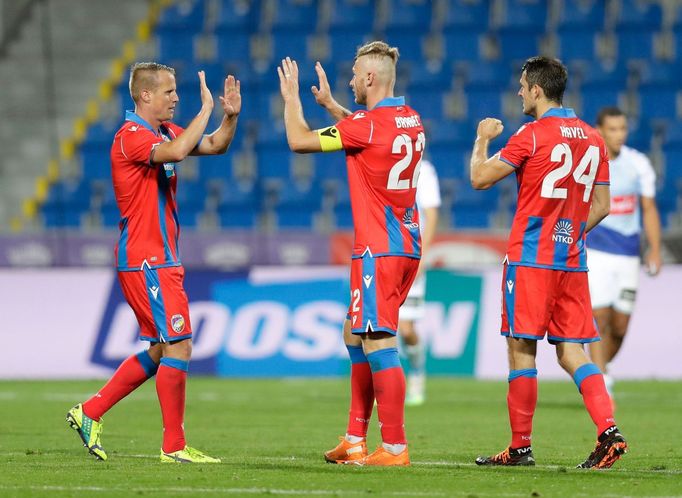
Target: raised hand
(288, 78)
(232, 97)
(206, 97)
(489, 128)
(323, 94)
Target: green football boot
(88, 429)
(187, 455)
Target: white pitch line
(437, 463)
(255, 491)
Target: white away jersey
(428, 189)
(632, 176)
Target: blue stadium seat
(451, 160)
(639, 136)
(425, 78)
(483, 103)
(240, 196)
(295, 14)
(525, 14)
(95, 161)
(217, 167)
(343, 43)
(330, 167)
(290, 43)
(598, 75)
(175, 45)
(596, 97)
(414, 15)
(297, 202)
(188, 215)
(66, 202)
(428, 103)
(466, 14)
(450, 133)
(462, 44)
(576, 42)
(352, 15)
(110, 215)
(191, 195)
(586, 14)
(236, 14)
(673, 134)
(473, 208)
(183, 16)
(274, 162)
(635, 13)
(186, 75)
(658, 101)
(492, 75)
(635, 42)
(293, 217)
(518, 42)
(235, 218)
(239, 204)
(233, 44)
(408, 41)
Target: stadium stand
(459, 63)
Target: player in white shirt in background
(614, 245)
(428, 202)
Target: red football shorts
(379, 287)
(158, 298)
(537, 301)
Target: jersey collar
(131, 116)
(391, 102)
(559, 112)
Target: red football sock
(361, 399)
(130, 375)
(170, 388)
(597, 401)
(389, 389)
(522, 398)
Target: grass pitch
(271, 435)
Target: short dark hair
(549, 74)
(608, 112)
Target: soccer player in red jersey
(143, 161)
(561, 167)
(383, 146)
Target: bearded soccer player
(143, 161)
(562, 172)
(383, 146)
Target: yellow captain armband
(330, 139)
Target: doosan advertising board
(287, 321)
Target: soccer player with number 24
(562, 172)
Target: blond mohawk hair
(378, 49)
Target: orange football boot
(383, 458)
(346, 452)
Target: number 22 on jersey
(583, 174)
(403, 141)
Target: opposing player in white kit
(428, 202)
(614, 245)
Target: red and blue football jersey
(558, 159)
(384, 147)
(145, 195)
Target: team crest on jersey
(408, 221)
(169, 168)
(563, 231)
(178, 323)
